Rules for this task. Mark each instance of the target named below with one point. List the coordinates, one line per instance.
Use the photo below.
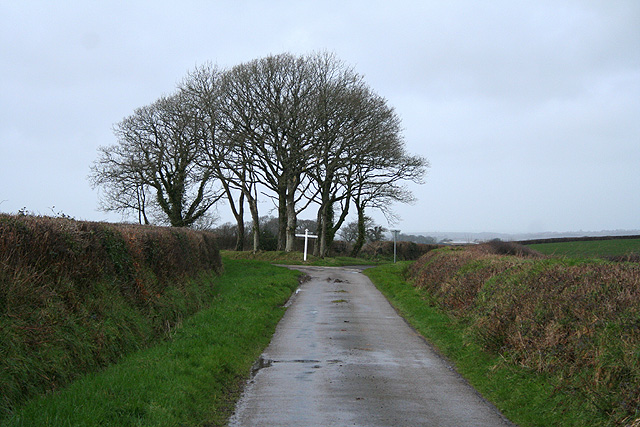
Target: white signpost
(395, 238)
(306, 236)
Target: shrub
(499, 247)
(339, 248)
(405, 251)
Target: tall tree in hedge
(271, 99)
(381, 166)
(339, 114)
(203, 88)
(359, 154)
(162, 145)
(298, 129)
(124, 188)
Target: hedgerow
(76, 296)
(576, 319)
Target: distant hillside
(486, 236)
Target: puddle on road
(264, 362)
(297, 361)
(261, 363)
(331, 279)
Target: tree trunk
(291, 215)
(362, 232)
(253, 208)
(325, 228)
(282, 218)
(323, 221)
(329, 231)
(316, 246)
(240, 235)
(291, 222)
(239, 214)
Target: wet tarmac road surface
(342, 356)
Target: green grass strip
(523, 396)
(589, 248)
(297, 258)
(194, 378)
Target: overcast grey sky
(529, 111)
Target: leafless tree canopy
(160, 154)
(302, 131)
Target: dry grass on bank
(578, 319)
(76, 296)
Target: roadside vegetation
(297, 258)
(128, 325)
(375, 247)
(76, 297)
(194, 376)
(374, 253)
(551, 341)
(305, 131)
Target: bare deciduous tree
(160, 148)
(270, 102)
(300, 130)
(337, 116)
(203, 89)
(380, 167)
(123, 183)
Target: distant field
(593, 248)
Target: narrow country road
(341, 356)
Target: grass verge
(525, 397)
(297, 258)
(191, 379)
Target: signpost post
(395, 237)
(306, 236)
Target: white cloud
(527, 110)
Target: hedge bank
(76, 296)
(578, 320)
